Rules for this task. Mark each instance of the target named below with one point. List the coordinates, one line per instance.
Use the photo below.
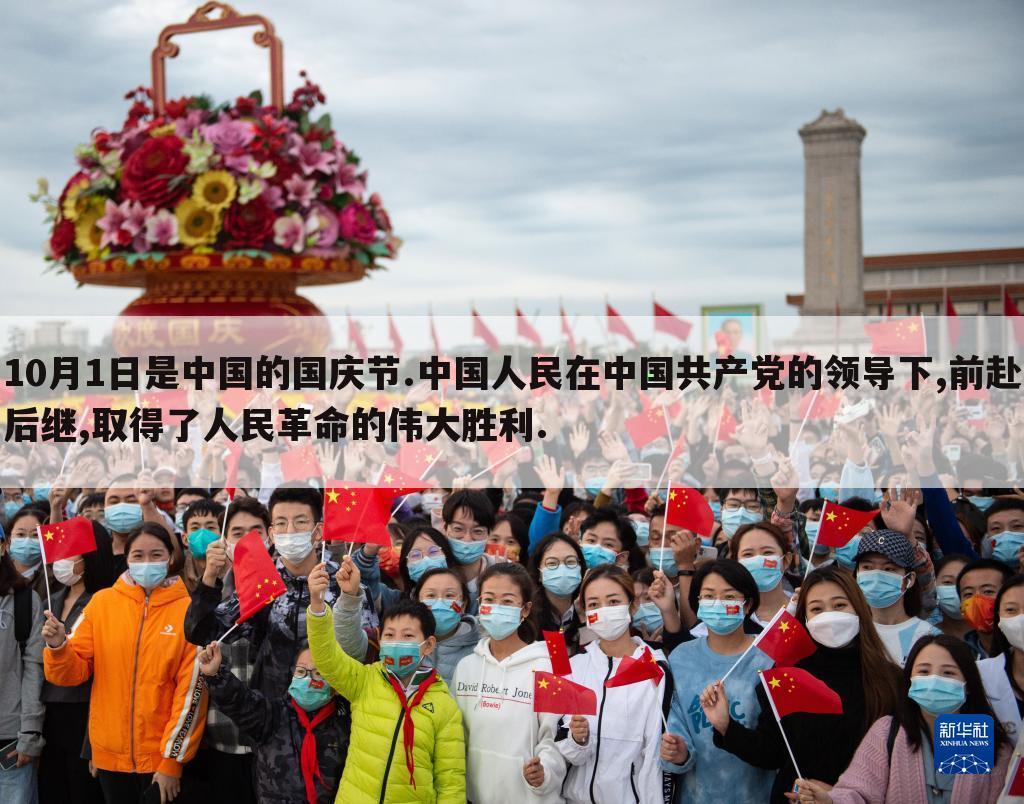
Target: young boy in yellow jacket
(407, 742)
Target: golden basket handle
(202, 20)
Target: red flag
(526, 330)
(433, 336)
(415, 458)
(355, 338)
(1017, 782)
(633, 671)
(300, 463)
(558, 653)
(357, 513)
(166, 401)
(901, 336)
(232, 458)
(686, 508)
(560, 696)
(645, 427)
(500, 450)
(483, 332)
(618, 325)
(567, 331)
(785, 640)
(727, 425)
(952, 321)
(396, 339)
(398, 483)
(1011, 311)
(791, 689)
(6, 392)
(839, 524)
(817, 405)
(73, 537)
(257, 581)
(236, 400)
(670, 324)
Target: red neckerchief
(408, 728)
(307, 756)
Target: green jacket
(375, 770)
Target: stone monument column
(833, 241)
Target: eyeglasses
(305, 672)
(419, 555)
(754, 506)
(299, 524)
(553, 563)
(477, 533)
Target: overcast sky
(538, 148)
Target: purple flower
(348, 180)
(310, 156)
(290, 232)
(121, 223)
(300, 190)
(184, 126)
(321, 227)
(162, 229)
(273, 196)
(229, 137)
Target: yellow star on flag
(830, 516)
(543, 683)
(332, 495)
(783, 626)
(774, 683)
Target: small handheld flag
(558, 653)
(65, 539)
(560, 696)
(257, 581)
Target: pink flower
(290, 232)
(300, 190)
(230, 137)
(184, 126)
(310, 156)
(273, 196)
(321, 227)
(162, 229)
(349, 180)
(121, 222)
(356, 223)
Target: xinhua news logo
(964, 744)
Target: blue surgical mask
(148, 574)
(716, 510)
(419, 568)
(179, 520)
(937, 694)
(721, 616)
(123, 517)
(880, 588)
(445, 615)
(467, 552)
(664, 559)
(561, 581)
(982, 503)
(401, 658)
(733, 520)
(25, 550)
(41, 492)
(767, 571)
(199, 540)
(594, 485)
(500, 621)
(642, 528)
(846, 555)
(595, 555)
(1007, 545)
(11, 507)
(648, 615)
(811, 529)
(829, 491)
(309, 694)
(949, 601)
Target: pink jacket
(871, 777)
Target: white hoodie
(621, 761)
(502, 730)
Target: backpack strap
(23, 616)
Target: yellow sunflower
(87, 230)
(214, 190)
(73, 205)
(197, 224)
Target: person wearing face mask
(727, 595)
(850, 659)
(741, 506)
(1004, 531)
(977, 586)
(626, 731)
(656, 619)
(122, 514)
(894, 762)
(951, 621)
(407, 743)
(24, 547)
(606, 537)
(556, 567)
(885, 559)
(811, 509)
(468, 517)
(764, 550)
(444, 591)
(1003, 673)
(63, 774)
(201, 524)
(511, 750)
(301, 739)
(183, 498)
(147, 706)
(422, 549)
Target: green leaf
(378, 249)
(363, 257)
(303, 123)
(257, 95)
(201, 102)
(324, 122)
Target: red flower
(356, 223)
(62, 239)
(176, 108)
(149, 171)
(249, 225)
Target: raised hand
(210, 659)
(54, 634)
(318, 582)
(348, 577)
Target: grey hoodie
(21, 711)
(450, 651)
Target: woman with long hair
(894, 762)
(556, 567)
(850, 658)
(1003, 672)
(766, 553)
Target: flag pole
(78, 427)
(671, 448)
(807, 415)
(778, 720)
(497, 463)
(753, 644)
(423, 474)
(232, 628)
(814, 542)
(46, 579)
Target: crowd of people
(406, 673)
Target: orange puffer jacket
(147, 710)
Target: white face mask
(294, 547)
(1013, 630)
(64, 572)
(834, 629)
(609, 622)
